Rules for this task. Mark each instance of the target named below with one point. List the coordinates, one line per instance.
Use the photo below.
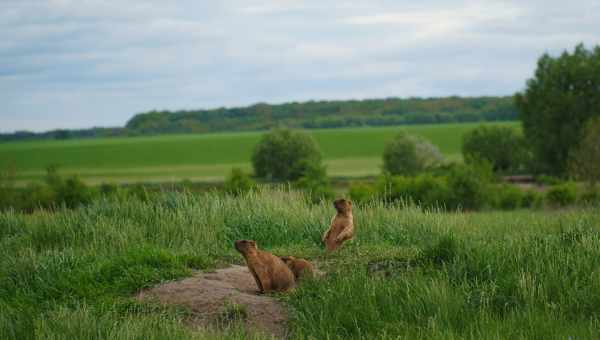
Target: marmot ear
(350, 202)
(252, 242)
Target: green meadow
(409, 273)
(209, 157)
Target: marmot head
(287, 259)
(342, 205)
(245, 246)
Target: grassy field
(408, 273)
(347, 152)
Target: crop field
(209, 157)
(408, 273)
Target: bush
(314, 181)
(362, 192)
(238, 182)
(509, 197)
(408, 155)
(426, 190)
(430, 192)
(591, 196)
(108, 189)
(503, 147)
(36, 196)
(73, 193)
(532, 199)
(548, 180)
(284, 155)
(469, 185)
(393, 188)
(562, 195)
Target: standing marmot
(300, 267)
(269, 271)
(342, 225)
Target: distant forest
(309, 115)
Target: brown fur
(269, 271)
(342, 225)
(300, 267)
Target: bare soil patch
(208, 295)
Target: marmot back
(269, 271)
(300, 267)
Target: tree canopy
(285, 155)
(585, 160)
(556, 104)
(408, 155)
(503, 147)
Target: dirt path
(209, 294)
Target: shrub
(509, 197)
(548, 180)
(284, 155)
(393, 188)
(36, 196)
(562, 194)
(73, 193)
(408, 155)
(362, 192)
(469, 185)
(503, 147)
(532, 199)
(425, 190)
(429, 191)
(314, 181)
(238, 182)
(591, 196)
(108, 189)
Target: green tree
(557, 102)
(585, 160)
(285, 155)
(408, 155)
(503, 147)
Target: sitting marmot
(300, 267)
(269, 271)
(342, 225)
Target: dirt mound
(209, 295)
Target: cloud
(67, 63)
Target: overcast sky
(83, 63)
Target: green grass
(209, 157)
(408, 273)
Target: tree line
(308, 115)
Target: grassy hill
(408, 273)
(209, 157)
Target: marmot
(300, 267)
(269, 271)
(342, 225)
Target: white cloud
(92, 62)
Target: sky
(84, 63)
